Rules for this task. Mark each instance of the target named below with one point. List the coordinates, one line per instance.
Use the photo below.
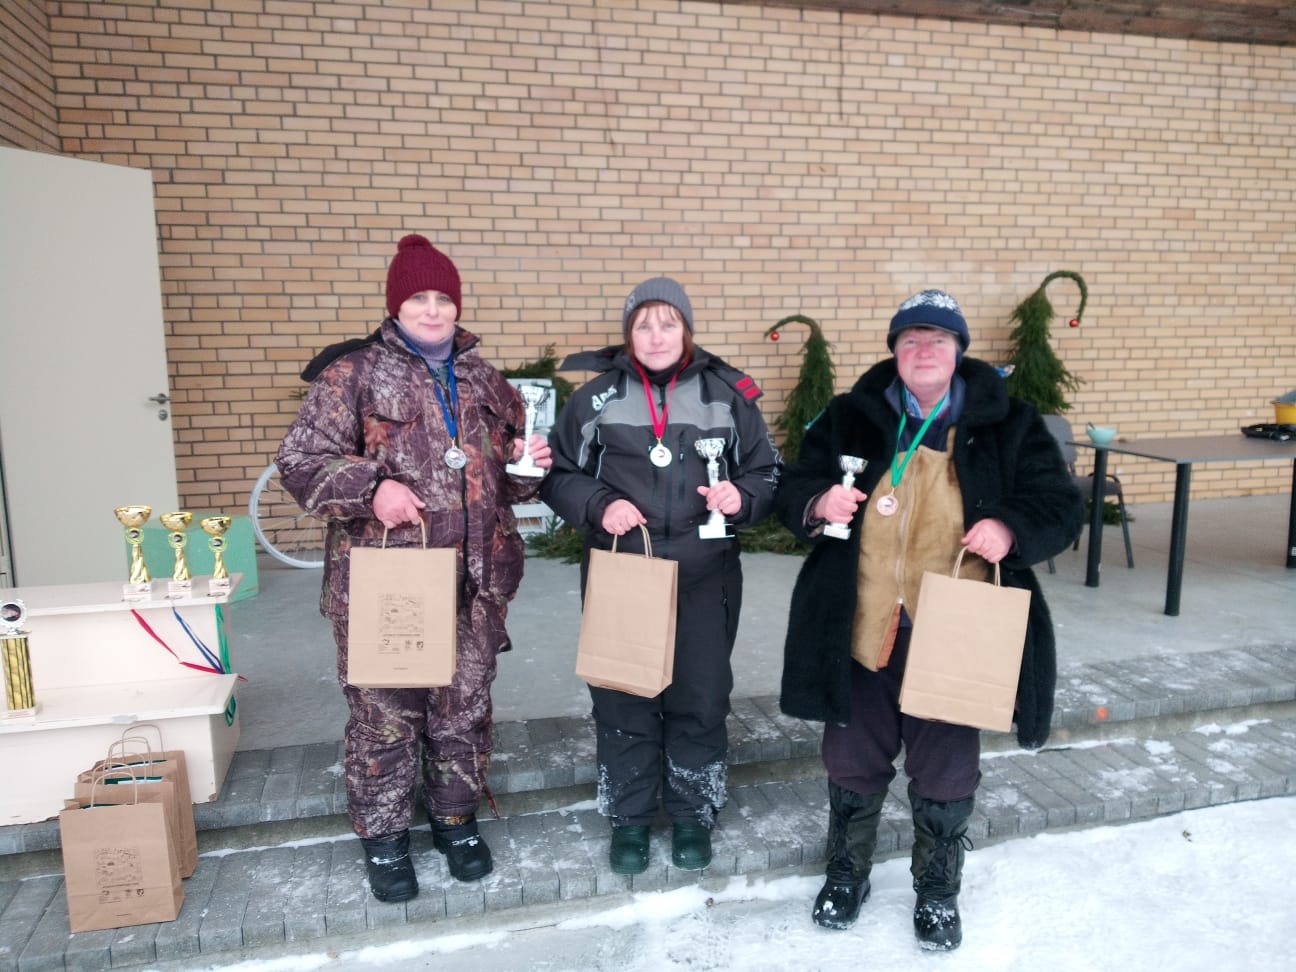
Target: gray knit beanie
(658, 288)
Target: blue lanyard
(448, 409)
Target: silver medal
(887, 505)
(456, 458)
(660, 456)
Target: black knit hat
(419, 266)
(930, 308)
(658, 288)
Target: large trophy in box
(20, 696)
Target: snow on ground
(1194, 892)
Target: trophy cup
(180, 584)
(20, 697)
(851, 467)
(715, 528)
(532, 396)
(133, 519)
(215, 527)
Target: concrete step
(270, 885)
(542, 763)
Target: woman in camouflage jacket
(409, 431)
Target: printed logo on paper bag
(400, 624)
(118, 873)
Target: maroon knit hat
(419, 266)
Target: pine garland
(813, 390)
(1038, 375)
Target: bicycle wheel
(285, 532)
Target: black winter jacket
(600, 445)
(1009, 468)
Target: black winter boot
(391, 872)
(467, 855)
(940, 844)
(852, 836)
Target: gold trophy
(20, 697)
(180, 584)
(133, 519)
(215, 527)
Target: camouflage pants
(441, 737)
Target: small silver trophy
(851, 467)
(533, 397)
(715, 528)
(20, 697)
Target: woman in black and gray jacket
(625, 455)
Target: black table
(1183, 452)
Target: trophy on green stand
(133, 518)
(215, 527)
(180, 584)
(20, 697)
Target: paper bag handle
(647, 541)
(100, 776)
(422, 533)
(958, 564)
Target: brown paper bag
(965, 651)
(119, 864)
(402, 616)
(627, 635)
(159, 771)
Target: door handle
(161, 398)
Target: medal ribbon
(449, 410)
(658, 424)
(898, 467)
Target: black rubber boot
(466, 854)
(690, 845)
(391, 872)
(940, 845)
(853, 820)
(628, 853)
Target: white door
(81, 354)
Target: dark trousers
(678, 740)
(942, 760)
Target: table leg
(1094, 562)
(1178, 538)
(1291, 522)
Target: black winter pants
(677, 740)
(942, 760)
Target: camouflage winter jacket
(373, 414)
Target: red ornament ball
(1074, 322)
(774, 336)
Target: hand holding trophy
(715, 528)
(851, 467)
(533, 397)
(133, 518)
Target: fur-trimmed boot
(853, 820)
(391, 872)
(940, 845)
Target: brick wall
(777, 161)
(27, 112)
